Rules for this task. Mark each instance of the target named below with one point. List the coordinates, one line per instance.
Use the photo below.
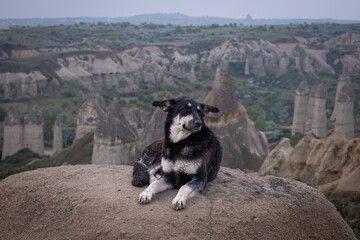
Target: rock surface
(244, 147)
(114, 137)
(58, 139)
(300, 108)
(88, 116)
(317, 162)
(98, 202)
(23, 130)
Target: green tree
(3, 114)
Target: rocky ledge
(98, 202)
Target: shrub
(3, 114)
(64, 104)
(68, 93)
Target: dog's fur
(188, 157)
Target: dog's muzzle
(194, 126)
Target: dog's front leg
(158, 185)
(187, 191)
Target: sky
(258, 9)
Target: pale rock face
(301, 104)
(309, 113)
(243, 146)
(23, 131)
(345, 111)
(317, 162)
(114, 138)
(88, 115)
(319, 122)
(22, 85)
(58, 140)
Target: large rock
(88, 116)
(22, 85)
(319, 119)
(98, 202)
(114, 138)
(58, 139)
(23, 130)
(317, 162)
(300, 108)
(244, 146)
(344, 107)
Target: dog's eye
(186, 109)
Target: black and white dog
(188, 157)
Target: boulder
(98, 202)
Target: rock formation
(300, 108)
(98, 202)
(13, 133)
(317, 162)
(22, 85)
(136, 118)
(344, 107)
(23, 131)
(319, 122)
(309, 113)
(58, 140)
(340, 84)
(244, 147)
(88, 115)
(113, 138)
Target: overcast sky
(336, 9)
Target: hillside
(57, 67)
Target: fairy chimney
(319, 121)
(88, 116)
(113, 137)
(345, 111)
(13, 133)
(340, 84)
(244, 146)
(58, 140)
(309, 113)
(301, 102)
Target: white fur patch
(183, 195)
(158, 185)
(189, 167)
(177, 131)
(189, 104)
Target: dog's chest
(189, 167)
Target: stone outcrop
(344, 106)
(244, 147)
(136, 118)
(22, 85)
(58, 139)
(114, 138)
(64, 202)
(318, 162)
(309, 113)
(23, 130)
(88, 116)
(340, 84)
(319, 123)
(300, 108)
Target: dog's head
(185, 116)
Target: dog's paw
(178, 203)
(145, 197)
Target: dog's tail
(140, 174)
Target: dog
(187, 157)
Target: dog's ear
(208, 108)
(165, 105)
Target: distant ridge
(162, 18)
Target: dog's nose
(198, 124)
